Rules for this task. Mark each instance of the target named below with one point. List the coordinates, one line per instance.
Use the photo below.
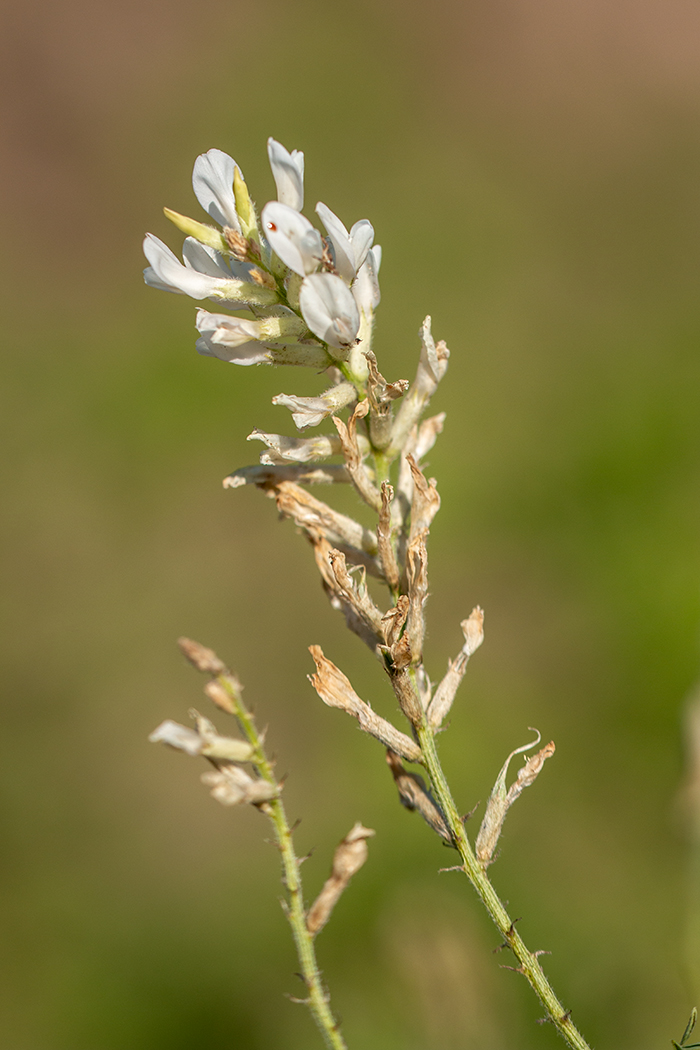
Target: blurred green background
(532, 171)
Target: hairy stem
(317, 998)
(475, 872)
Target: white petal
(377, 253)
(292, 237)
(167, 272)
(177, 736)
(207, 260)
(204, 259)
(340, 239)
(329, 309)
(288, 170)
(366, 287)
(361, 236)
(212, 182)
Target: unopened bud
(200, 231)
(244, 205)
(203, 659)
(218, 695)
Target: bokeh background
(532, 170)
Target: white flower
(350, 249)
(180, 737)
(240, 341)
(230, 339)
(329, 309)
(292, 238)
(212, 182)
(366, 287)
(225, 329)
(310, 411)
(168, 273)
(288, 170)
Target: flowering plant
(310, 300)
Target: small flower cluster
(311, 297)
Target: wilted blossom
(310, 411)
(283, 449)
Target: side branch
(227, 688)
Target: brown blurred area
(532, 172)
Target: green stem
(317, 998)
(475, 872)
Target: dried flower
(501, 800)
(348, 858)
(335, 690)
(473, 630)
